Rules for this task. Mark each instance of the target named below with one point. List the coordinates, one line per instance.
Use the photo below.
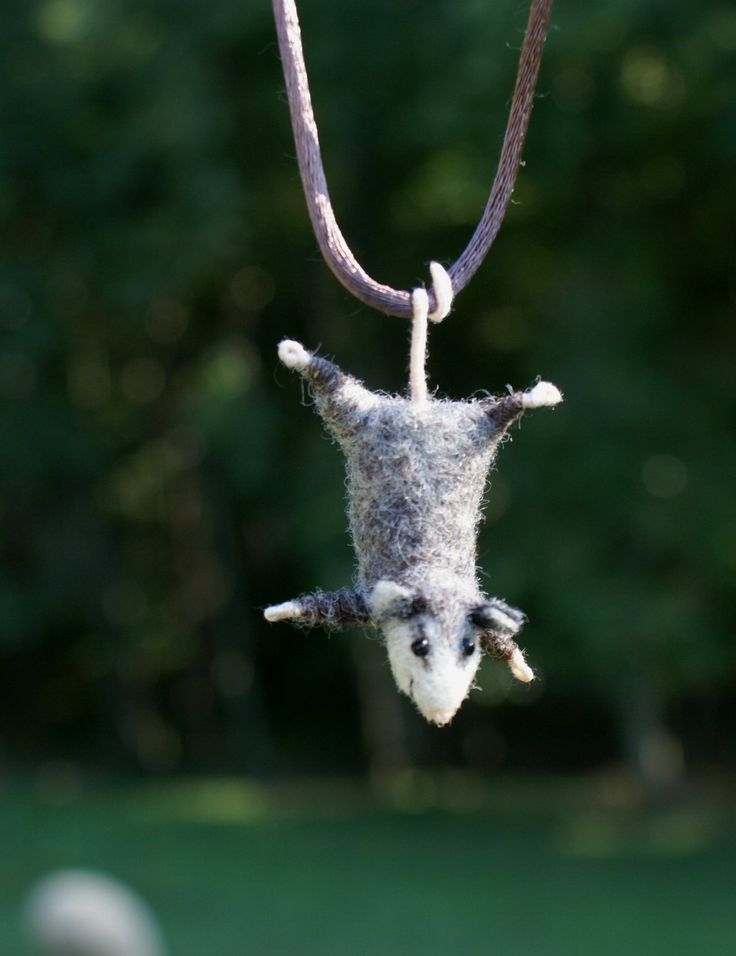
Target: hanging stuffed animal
(417, 465)
(416, 475)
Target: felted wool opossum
(416, 473)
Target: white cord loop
(443, 291)
(418, 352)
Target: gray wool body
(416, 475)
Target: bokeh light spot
(252, 288)
(721, 26)
(663, 176)
(647, 78)
(18, 375)
(664, 476)
(227, 375)
(142, 380)
(89, 383)
(167, 320)
(62, 21)
(15, 306)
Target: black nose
(420, 647)
(467, 646)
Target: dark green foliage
(159, 481)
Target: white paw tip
(283, 612)
(385, 593)
(541, 395)
(293, 354)
(519, 667)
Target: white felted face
(433, 652)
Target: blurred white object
(82, 913)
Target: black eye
(467, 646)
(420, 647)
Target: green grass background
(430, 869)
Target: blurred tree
(158, 484)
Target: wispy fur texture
(416, 475)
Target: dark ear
(391, 600)
(497, 617)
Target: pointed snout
(439, 697)
(440, 717)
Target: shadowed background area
(161, 481)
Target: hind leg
(339, 396)
(503, 412)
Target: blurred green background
(161, 480)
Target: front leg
(340, 397)
(499, 623)
(343, 608)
